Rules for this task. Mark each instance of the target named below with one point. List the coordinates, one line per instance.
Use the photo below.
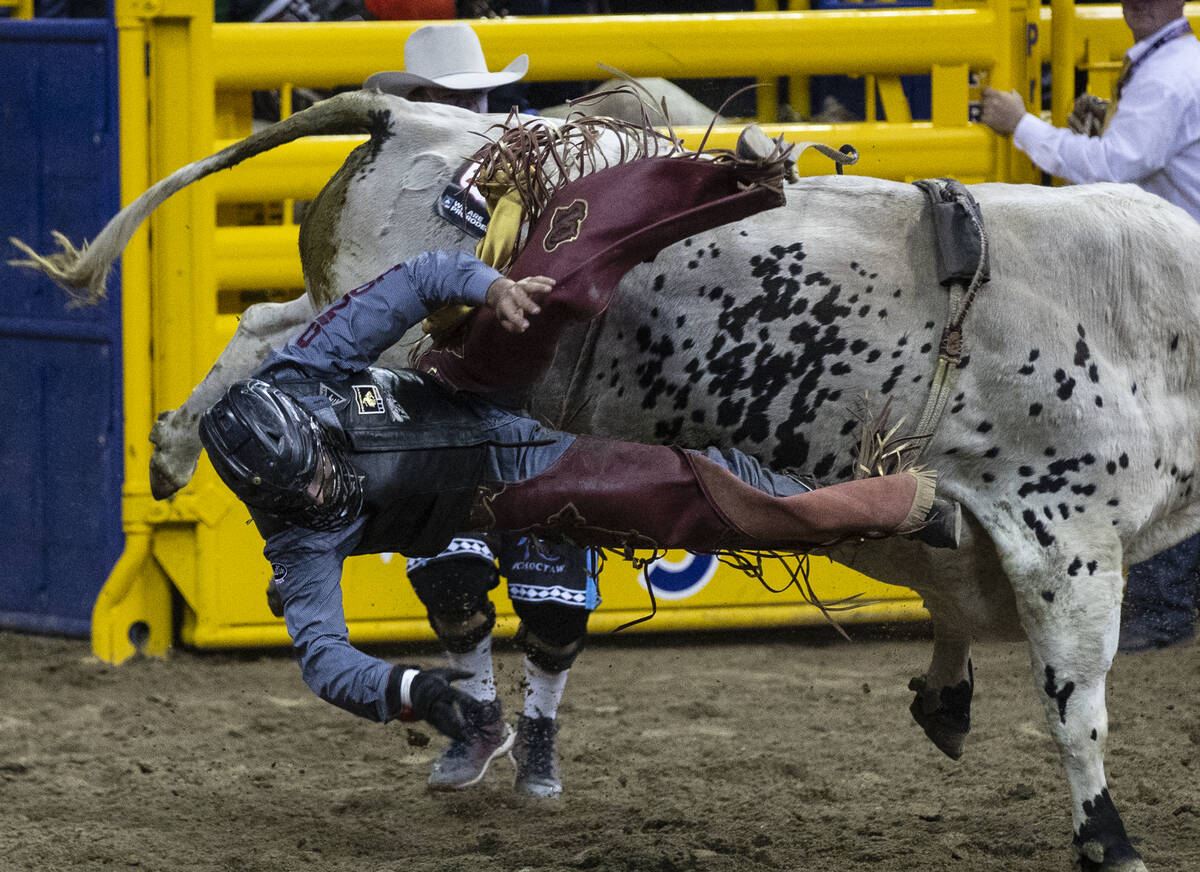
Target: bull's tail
(83, 272)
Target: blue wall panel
(61, 438)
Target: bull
(1070, 438)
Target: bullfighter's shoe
(465, 763)
(536, 760)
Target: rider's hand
(513, 301)
(428, 695)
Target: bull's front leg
(176, 433)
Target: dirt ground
(782, 750)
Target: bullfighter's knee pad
(454, 593)
(551, 635)
(461, 636)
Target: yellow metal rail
(19, 8)
(673, 46)
(265, 256)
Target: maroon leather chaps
(592, 232)
(622, 494)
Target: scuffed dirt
(783, 750)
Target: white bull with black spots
(1072, 439)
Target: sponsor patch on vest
(278, 572)
(335, 399)
(369, 400)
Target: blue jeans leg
(1160, 597)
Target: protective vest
(419, 447)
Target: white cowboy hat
(445, 56)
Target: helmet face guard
(273, 455)
(333, 497)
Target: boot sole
(524, 791)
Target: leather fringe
(922, 501)
(537, 160)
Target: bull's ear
(424, 146)
(427, 171)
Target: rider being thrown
(335, 457)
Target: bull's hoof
(941, 729)
(164, 481)
(1101, 844)
(1084, 861)
(172, 464)
(945, 716)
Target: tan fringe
(751, 563)
(881, 450)
(922, 502)
(537, 160)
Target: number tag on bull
(461, 203)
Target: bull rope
(950, 347)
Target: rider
(552, 585)
(333, 458)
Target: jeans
(1160, 597)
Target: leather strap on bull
(625, 495)
(587, 234)
(961, 247)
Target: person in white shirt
(1151, 136)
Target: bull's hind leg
(176, 434)
(942, 705)
(1072, 622)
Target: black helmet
(273, 456)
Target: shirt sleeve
(307, 568)
(349, 335)
(1140, 139)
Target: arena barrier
(17, 8)
(61, 447)
(185, 87)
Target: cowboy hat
(445, 56)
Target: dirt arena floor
(782, 750)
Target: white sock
(543, 691)
(482, 683)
